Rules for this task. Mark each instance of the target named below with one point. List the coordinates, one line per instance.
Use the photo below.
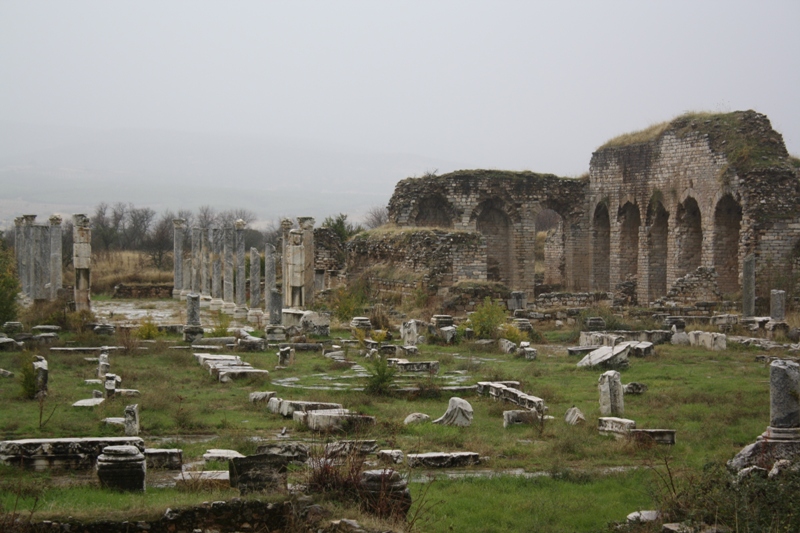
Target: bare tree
(229, 216)
(206, 216)
(376, 216)
(139, 221)
(158, 243)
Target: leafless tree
(376, 216)
(206, 216)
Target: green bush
(380, 379)
(512, 333)
(148, 329)
(487, 317)
(27, 378)
(9, 285)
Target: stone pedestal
(122, 468)
(611, 394)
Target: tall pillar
(18, 246)
(749, 286)
(216, 269)
(56, 279)
(286, 227)
(82, 260)
(205, 271)
(197, 237)
(228, 306)
(255, 314)
(177, 254)
(307, 225)
(41, 262)
(27, 255)
(186, 278)
(271, 295)
(240, 312)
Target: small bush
(512, 333)
(379, 318)
(27, 379)
(487, 317)
(9, 284)
(148, 329)
(381, 377)
(221, 324)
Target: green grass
(716, 401)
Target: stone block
(122, 468)
(442, 459)
(610, 425)
(459, 413)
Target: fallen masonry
(41, 454)
(442, 459)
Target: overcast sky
(497, 84)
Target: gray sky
(496, 84)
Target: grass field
(716, 401)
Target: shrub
(380, 379)
(221, 324)
(487, 317)
(27, 379)
(512, 333)
(148, 330)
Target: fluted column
(179, 225)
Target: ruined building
(684, 199)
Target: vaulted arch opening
(629, 220)
(495, 225)
(601, 248)
(550, 245)
(727, 225)
(657, 231)
(434, 211)
(689, 237)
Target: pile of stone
(319, 416)
(227, 367)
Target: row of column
(214, 268)
(38, 255)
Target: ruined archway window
(550, 260)
(689, 237)
(657, 222)
(434, 211)
(629, 220)
(601, 248)
(495, 225)
(727, 224)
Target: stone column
(186, 279)
(41, 262)
(228, 306)
(777, 305)
(749, 286)
(28, 255)
(286, 227)
(82, 260)
(193, 328)
(177, 254)
(784, 394)
(216, 269)
(272, 296)
(255, 314)
(197, 263)
(205, 273)
(307, 225)
(240, 312)
(19, 240)
(611, 394)
(56, 280)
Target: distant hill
(68, 170)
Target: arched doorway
(550, 260)
(434, 211)
(727, 224)
(601, 248)
(630, 220)
(495, 226)
(689, 237)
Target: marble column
(186, 288)
(27, 255)
(205, 272)
(255, 314)
(286, 227)
(19, 246)
(41, 262)
(611, 394)
(272, 296)
(56, 279)
(749, 286)
(179, 225)
(216, 269)
(307, 225)
(82, 261)
(777, 305)
(197, 237)
(240, 311)
(228, 305)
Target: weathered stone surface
(164, 458)
(318, 324)
(344, 448)
(131, 420)
(122, 468)
(413, 332)
(610, 425)
(294, 451)
(634, 388)
(607, 357)
(290, 406)
(459, 413)
(385, 493)
(526, 416)
(331, 419)
(258, 473)
(261, 397)
(506, 346)
(416, 418)
(218, 454)
(442, 459)
(41, 454)
(391, 456)
(611, 394)
(574, 416)
(784, 394)
(777, 305)
(749, 286)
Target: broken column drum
(228, 306)
(193, 328)
(178, 225)
(611, 394)
(241, 283)
(55, 256)
(122, 468)
(82, 260)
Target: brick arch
(727, 228)
(495, 224)
(688, 236)
(601, 248)
(657, 223)
(433, 211)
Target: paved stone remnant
(442, 459)
(82, 261)
(255, 314)
(574, 416)
(459, 413)
(611, 394)
(122, 468)
(132, 420)
(179, 227)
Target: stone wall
(144, 291)
(554, 264)
(433, 258)
(329, 258)
(699, 191)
